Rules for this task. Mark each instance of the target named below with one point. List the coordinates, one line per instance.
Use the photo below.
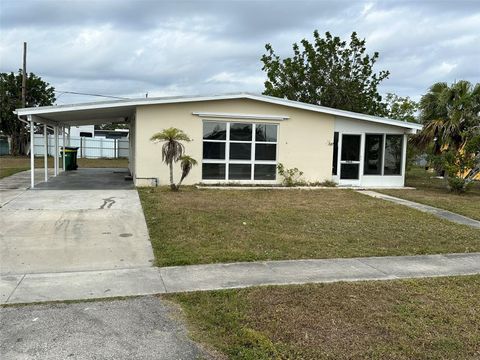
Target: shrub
(457, 185)
(291, 177)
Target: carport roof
(121, 110)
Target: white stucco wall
(304, 140)
(351, 126)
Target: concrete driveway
(89, 219)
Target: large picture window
(239, 151)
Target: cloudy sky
(128, 48)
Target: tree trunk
(172, 184)
(179, 183)
(19, 144)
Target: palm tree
(449, 115)
(173, 150)
(451, 118)
(186, 163)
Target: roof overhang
(121, 110)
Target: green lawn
(10, 165)
(431, 191)
(434, 318)
(196, 226)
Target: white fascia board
(121, 103)
(180, 99)
(241, 116)
(336, 112)
(41, 120)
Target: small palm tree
(173, 150)
(186, 163)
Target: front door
(350, 160)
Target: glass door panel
(350, 157)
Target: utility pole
(24, 76)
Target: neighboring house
(83, 131)
(240, 138)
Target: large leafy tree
(39, 93)
(401, 108)
(328, 72)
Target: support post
(63, 143)
(55, 150)
(404, 157)
(69, 131)
(32, 152)
(45, 151)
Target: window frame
(252, 162)
(382, 149)
(384, 144)
(402, 148)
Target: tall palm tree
(451, 118)
(172, 149)
(450, 115)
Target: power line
(88, 94)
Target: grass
(196, 226)
(10, 165)
(435, 318)
(433, 192)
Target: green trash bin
(70, 158)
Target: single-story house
(241, 138)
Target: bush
(291, 177)
(457, 185)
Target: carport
(61, 117)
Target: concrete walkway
(28, 288)
(443, 214)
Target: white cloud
(170, 48)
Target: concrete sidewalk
(28, 288)
(443, 214)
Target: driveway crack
(16, 287)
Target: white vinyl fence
(92, 148)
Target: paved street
(136, 328)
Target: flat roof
(119, 110)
